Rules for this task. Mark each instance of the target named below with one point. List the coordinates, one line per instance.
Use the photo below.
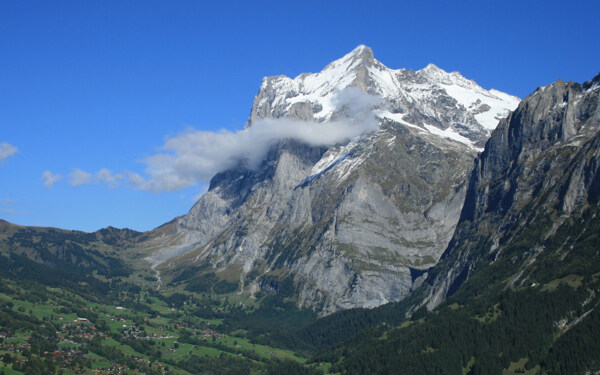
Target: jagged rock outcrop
(541, 160)
(345, 224)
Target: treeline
(522, 324)
(278, 322)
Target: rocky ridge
(539, 166)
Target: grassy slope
(54, 311)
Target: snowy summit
(442, 103)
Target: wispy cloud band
(195, 156)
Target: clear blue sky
(100, 84)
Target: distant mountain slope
(86, 262)
(343, 225)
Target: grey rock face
(343, 224)
(543, 157)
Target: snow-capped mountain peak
(428, 98)
(432, 68)
(360, 55)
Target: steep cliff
(539, 171)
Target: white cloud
(107, 177)
(135, 179)
(7, 150)
(5, 207)
(104, 176)
(50, 179)
(196, 156)
(79, 177)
